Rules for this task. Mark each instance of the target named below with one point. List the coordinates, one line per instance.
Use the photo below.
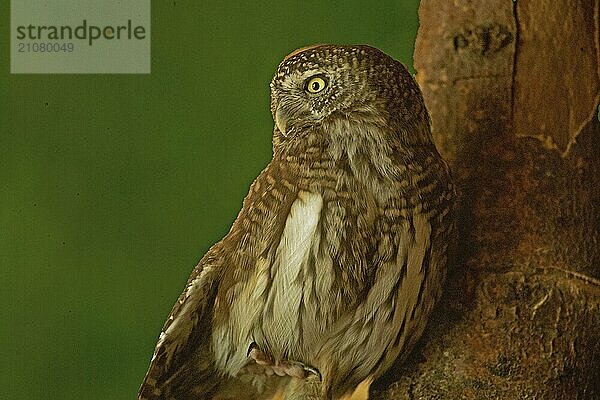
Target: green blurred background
(113, 186)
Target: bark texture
(513, 90)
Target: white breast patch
(300, 236)
(267, 308)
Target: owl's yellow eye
(315, 84)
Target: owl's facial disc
(300, 100)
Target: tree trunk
(513, 92)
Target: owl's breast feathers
(323, 250)
(322, 266)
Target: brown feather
(339, 252)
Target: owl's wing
(181, 363)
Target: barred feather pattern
(335, 260)
(370, 266)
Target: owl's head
(319, 85)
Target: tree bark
(513, 91)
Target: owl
(333, 265)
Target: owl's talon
(313, 371)
(299, 370)
(252, 346)
(264, 364)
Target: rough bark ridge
(513, 91)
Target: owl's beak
(281, 120)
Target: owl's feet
(262, 363)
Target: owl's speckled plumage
(339, 252)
